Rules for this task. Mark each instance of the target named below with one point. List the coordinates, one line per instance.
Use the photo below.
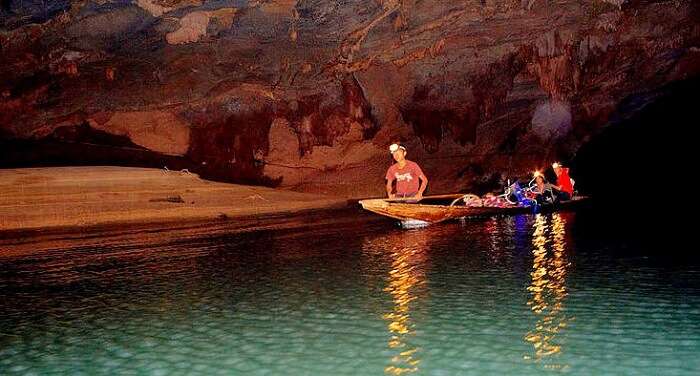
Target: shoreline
(32, 242)
(39, 202)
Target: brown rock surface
(156, 130)
(307, 94)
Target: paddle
(404, 199)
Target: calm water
(516, 295)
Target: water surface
(521, 295)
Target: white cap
(395, 147)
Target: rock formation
(308, 94)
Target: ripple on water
(520, 295)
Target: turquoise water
(532, 294)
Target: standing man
(407, 175)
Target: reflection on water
(548, 290)
(355, 298)
(408, 254)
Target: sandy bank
(65, 197)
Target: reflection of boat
(548, 292)
(434, 209)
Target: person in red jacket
(564, 185)
(410, 180)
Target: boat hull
(404, 210)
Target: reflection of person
(406, 174)
(408, 256)
(564, 187)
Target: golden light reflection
(407, 252)
(548, 290)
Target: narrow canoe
(434, 209)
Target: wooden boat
(434, 209)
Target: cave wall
(307, 94)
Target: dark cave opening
(638, 169)
(640, 158)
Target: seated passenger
(564, 187)
(543, 191)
